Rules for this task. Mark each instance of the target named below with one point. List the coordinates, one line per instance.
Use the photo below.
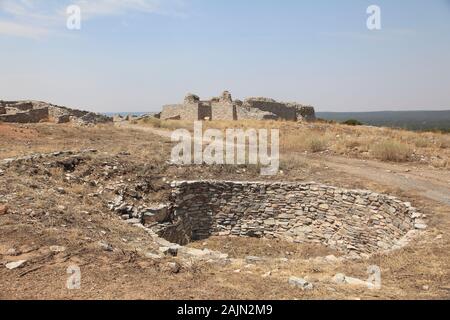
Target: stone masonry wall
(244, 113)
(180, 112)
(31, 116)
(282, 110)
(223, 111)
(224, 108)
(347, 220)
(37, 111)
(204, 111)
(305, 112)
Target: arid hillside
(70, 195)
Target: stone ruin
(36, 111)
(356, 223)
(224, 108)
(351, 221)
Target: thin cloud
(92, 9)
(14, 29)
(34, 19)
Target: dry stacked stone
(347, 220)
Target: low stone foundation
(347, 220)
(36, 111)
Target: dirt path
(430, 183)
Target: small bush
(391, 150)
(316, 144)
(422, 142)
(352, 122)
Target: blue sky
(136, 55)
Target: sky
(137, 55)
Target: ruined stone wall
(347, 220)
(306, 113)
(223, 111)
(20, 105)
(31, 116)
(245, 113)
(282, 110)
(224, 108)
(204, 111)
(37, 111)
(180, 112)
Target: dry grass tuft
(384, 144)
(391, 150)
(316, 144)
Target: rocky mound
(36, 111)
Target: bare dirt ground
(52, 205)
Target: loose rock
(300, 283)
(174, 267)
(3, 210)
(15, 264)
(105, 246)
(57, 248)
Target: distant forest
(411, 120)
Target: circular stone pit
(350, 221)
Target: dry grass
(359, 142)
(303, 142)
(391, 150)
(45, 138)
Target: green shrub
(353, 122)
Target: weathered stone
(134, 221)
(15, 264)
(153, 256)
(13, 252)
(420, 226)
(157, 214)
(57, 248)
(170, 251)
(174, 267)
(300, 283)
(253, 259)
(343, 279)
(105, 246)
(3, 210)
